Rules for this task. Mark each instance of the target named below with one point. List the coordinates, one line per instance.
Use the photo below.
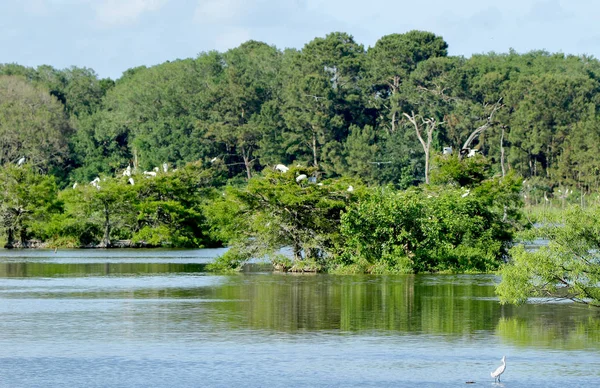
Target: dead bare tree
(479, 130)
(429, 125)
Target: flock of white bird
(280, 167)
(128, 172)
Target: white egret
(301, 177)
(350, 189)
(466, 193)
(150, 173)
(131, 181)
(165, 167)
(95, 183)
(282, 168)
(21, 161)
(75, 185)
(496, 374)
(214, 159)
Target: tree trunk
(105, 243)
(430, 127)
(427, 166)
(314, 148)
(10, 238)
(502, 152)
(246, 158)
(482, 128)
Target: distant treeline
(347, 110)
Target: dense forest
(170, 144)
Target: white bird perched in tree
(301, 177)
(95, 183)
(165, 167)
(156, 169)
(21, 161)
(130, 180)
(151, 173)
(127, 171)
(350, 189)
(496, 374)
(282, 168)
(74, 185)
(466, 193)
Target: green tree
(32, 125)
(567, 268)
(320, 94)
(98, 213)
(280, 210)
(391, 61)
(171, 206)
(249, 79)
(439, 228)
(26, 198)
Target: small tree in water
(26, 197)
(282, 209)
(567, 268)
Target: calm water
(154, 318)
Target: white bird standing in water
(496, 374)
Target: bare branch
(488, 123)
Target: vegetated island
(395, 158)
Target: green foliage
(27, 199)
(466, 172)
(441, 229)
(567, 268)
(278, 210)
(32, 124)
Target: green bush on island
(431, 229)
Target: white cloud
(218, 11)
(124, 11)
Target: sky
(111, 36)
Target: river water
(155, 318)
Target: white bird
(127, 171)
(21, 161)
(95, 183)
(131, 181)
(301, 177)
(165, 167)
(156, 169)
(467, 193)
(350, 189)
(496, 374)
(213, 159)
(75, 185)
(282, 168)
(151, 173)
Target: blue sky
(111, 36)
